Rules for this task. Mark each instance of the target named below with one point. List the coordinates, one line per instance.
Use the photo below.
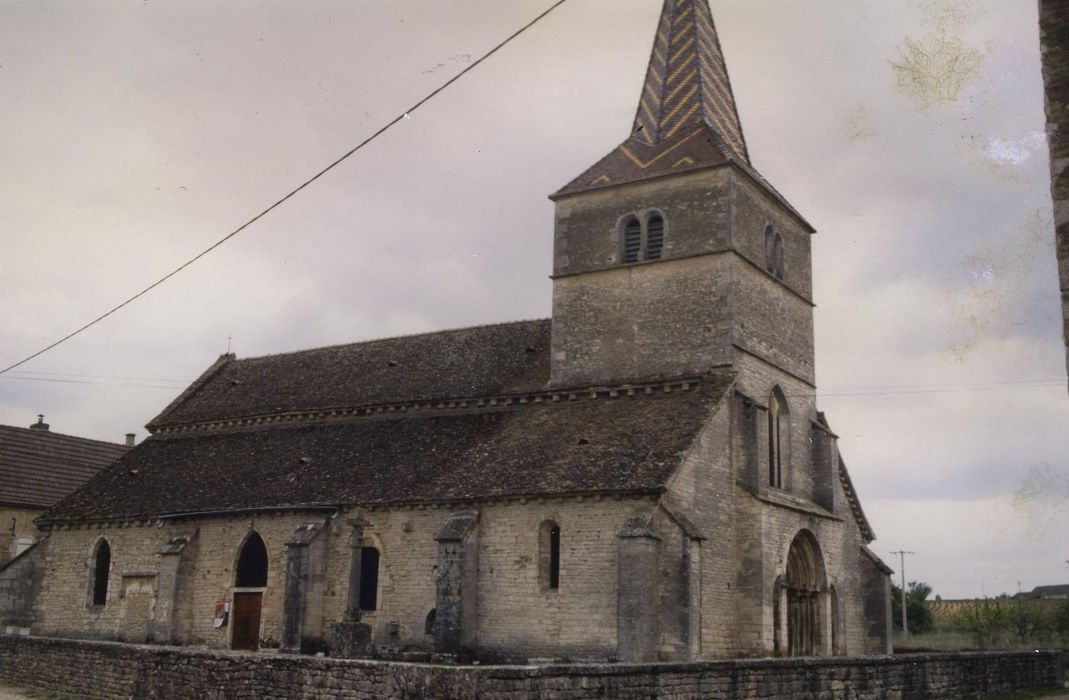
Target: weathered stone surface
(350, 639)
(20, 582)
(108, 670)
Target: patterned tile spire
(687, 80)
(686, 117)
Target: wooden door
(246, 621)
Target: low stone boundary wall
(89, 669)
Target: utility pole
(902, 560)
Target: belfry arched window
(779, 437)
(632, 240)
(654, 236)
(643, 239)
(777, 257)
(774, 252)
(101, 572)
(770, 242)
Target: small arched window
(779, 437)
(252, 563)
(369, 578)
(428, 623)
(101, 571)
(654, 237)
(549, 555)
(632, 240)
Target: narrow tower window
(101, 571)
(654, 237)
(369, 578)
(779, 431)
(777, 257)
(770, 250)
(632, 240)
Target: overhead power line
(306, 183)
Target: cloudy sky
(909, 132)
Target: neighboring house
(38, 468)
(1057, 592)
(644, 476)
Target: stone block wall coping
(102, 670)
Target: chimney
(129, 439)
(40, 424)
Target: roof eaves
(46, 522)
(759, 179)
(855, 503)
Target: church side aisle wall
(518, 613)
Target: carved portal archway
(803, 615)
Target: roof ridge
(383, 339)
(554, 395)
(65, 436)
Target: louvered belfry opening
(654, 237)
(632, 240)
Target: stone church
(643, 476)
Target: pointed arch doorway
(802, 610)
(250, 575)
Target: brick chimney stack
(40, 424)
(129, 439)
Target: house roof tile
(39, 467)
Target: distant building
(38, 469)
(643, 476)
(1057, 592)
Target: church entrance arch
(250, 580)
(805, 590)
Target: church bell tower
(672, 255)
